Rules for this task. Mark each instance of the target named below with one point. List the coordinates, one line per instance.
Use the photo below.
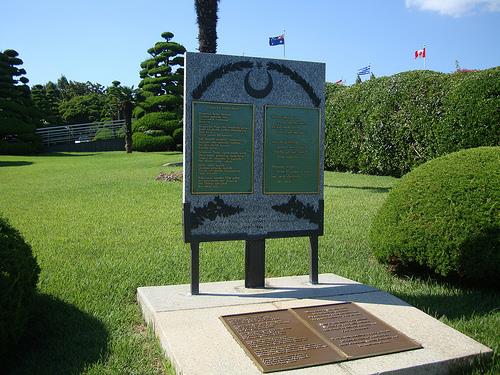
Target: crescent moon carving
(259, 94)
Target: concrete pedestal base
(196, 341)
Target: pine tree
(372, 76)
(18, 115)
(162, 76)
(358, 80)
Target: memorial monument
(253, 169)
(253, 155)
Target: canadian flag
(420, 53)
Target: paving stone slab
(227, 293)
(196, 341)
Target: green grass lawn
(101, 226)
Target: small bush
(165, 121)
(18, 278)
(445, 216)
(147, 143)
(102, 134)
(177, 136)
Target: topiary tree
(445, 216)
(206, 17)
(18, 278)
(178, 136)
(161, 87)
(160, 91)
(18, 115)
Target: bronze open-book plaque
(308, 336)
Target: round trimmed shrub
(165, 121)
(18, 278)
(148, 143)
(445, 216)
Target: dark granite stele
(223, 81)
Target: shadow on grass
(67, 154)
(14, 163)
(170, 153)
(60, 339)
(371, 188)
(464, 304)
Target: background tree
(18, 115)
(206, 17)
(358, 80)
(70, 89)
(372, 76)
(78, 102)
(46, 100)
(82, 108)
(115, 95)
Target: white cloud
(455, 8)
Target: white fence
(79, 133)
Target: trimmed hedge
(390, 125)
(18, 278)
(445, 216)
(148, 143)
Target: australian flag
(277, 40)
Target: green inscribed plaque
(291, 150)
(222, 148)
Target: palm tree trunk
(206, 16)
(127, 112)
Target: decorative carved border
(299, 209)
(211, 211)
(296, 77)
(197, 93)
(218, 73)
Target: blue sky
(106, 40)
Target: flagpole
(284, 42)
(425, 56)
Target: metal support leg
(313, 260)
(255, 269)
(195, 268)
